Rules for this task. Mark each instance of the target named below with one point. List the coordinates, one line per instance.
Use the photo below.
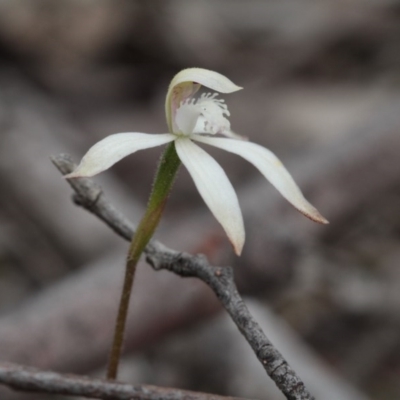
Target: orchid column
(189, 119)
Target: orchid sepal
(105, 153)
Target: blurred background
(321, 89)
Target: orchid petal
(113, 148)
(271, 167)
(215, 189)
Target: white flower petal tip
(210, 79)
(79, 173)
(312, 213)
(236, 236)
(237, 248)
(72, 175)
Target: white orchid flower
(193, 119)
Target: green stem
(163, 182)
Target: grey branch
(219, 279)
(34, 380)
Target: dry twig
(34, 380)
(90, 196)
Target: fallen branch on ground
(33, 380)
